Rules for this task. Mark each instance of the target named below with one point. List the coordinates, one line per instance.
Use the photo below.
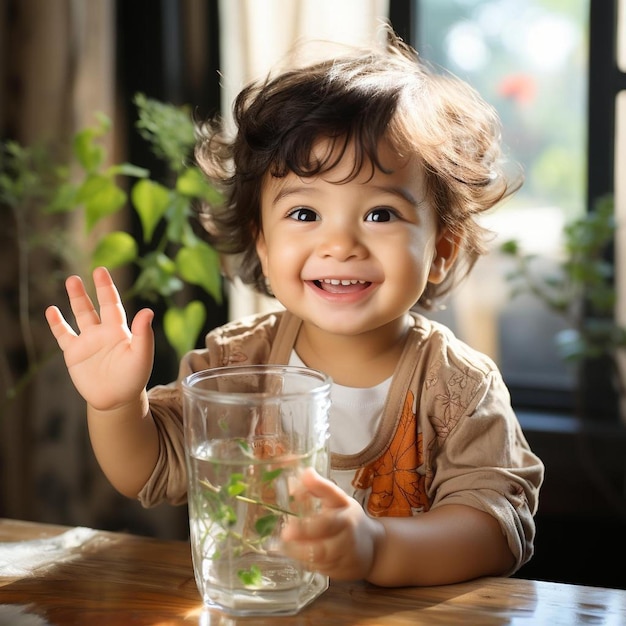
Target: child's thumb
(330, 495)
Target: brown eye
(380, 215)
(302, 214)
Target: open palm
(109, 363)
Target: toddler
(353, 188)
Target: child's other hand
(339, 541)
(109, 364)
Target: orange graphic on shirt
(397, 489)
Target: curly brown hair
(367, 96)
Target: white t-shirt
(354, 416)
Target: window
(536, 62)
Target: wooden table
(58, 576)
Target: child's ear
(261, 250)
(446, 251)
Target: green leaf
(265, 525)
(236, 485)
(114, 250)
(88, 153)
(510, 247)
(182, 326)
(151, 201)
(160, 261)
(179, 230)
(168, 128)
(225, 515)
(200, 265)
(101, 197)
(193, 184)
(128, 169)
(270, 475)
(245, 447)
(250, 577)
(64, 199)
(157, 277)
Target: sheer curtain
(257, 34)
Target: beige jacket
(448, 432)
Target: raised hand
(340, 540)
(109, 363)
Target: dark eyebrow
(400, 192)
(289, 189)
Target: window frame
(596, 396)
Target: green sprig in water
(218, 508)
(251, 577)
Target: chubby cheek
(281, 260)
(417, 262)
(285, 265)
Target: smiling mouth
(339, 285)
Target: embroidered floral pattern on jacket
(397, 488)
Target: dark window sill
(585, 464)
(581, 520)
(555, 422)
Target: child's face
(352, 257)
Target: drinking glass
(249, 433)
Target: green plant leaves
(218, 510)
(511, 247)
(183, 325)
(36, 182)
(63, 201)
(101, 197)
(582, 281)
(251, 577)
(193, 184)
(128, 169)
(178, 229)
(90, 154)
(199, 265)
(151, 200)
(157, 279)
(114, 250)
(235, 485)
(264, 526)
(243, 511)
(270, 475)
(168, 129)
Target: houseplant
(40, 191)
(580, 289)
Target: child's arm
(449, 544)
(110, 366)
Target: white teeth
(336, 281)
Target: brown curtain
(57, 68)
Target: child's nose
(341, 242)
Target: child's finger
(141, 331)
(111, 308)
(325, 522)
(60, 329)
(82, 307)
(330, 495)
